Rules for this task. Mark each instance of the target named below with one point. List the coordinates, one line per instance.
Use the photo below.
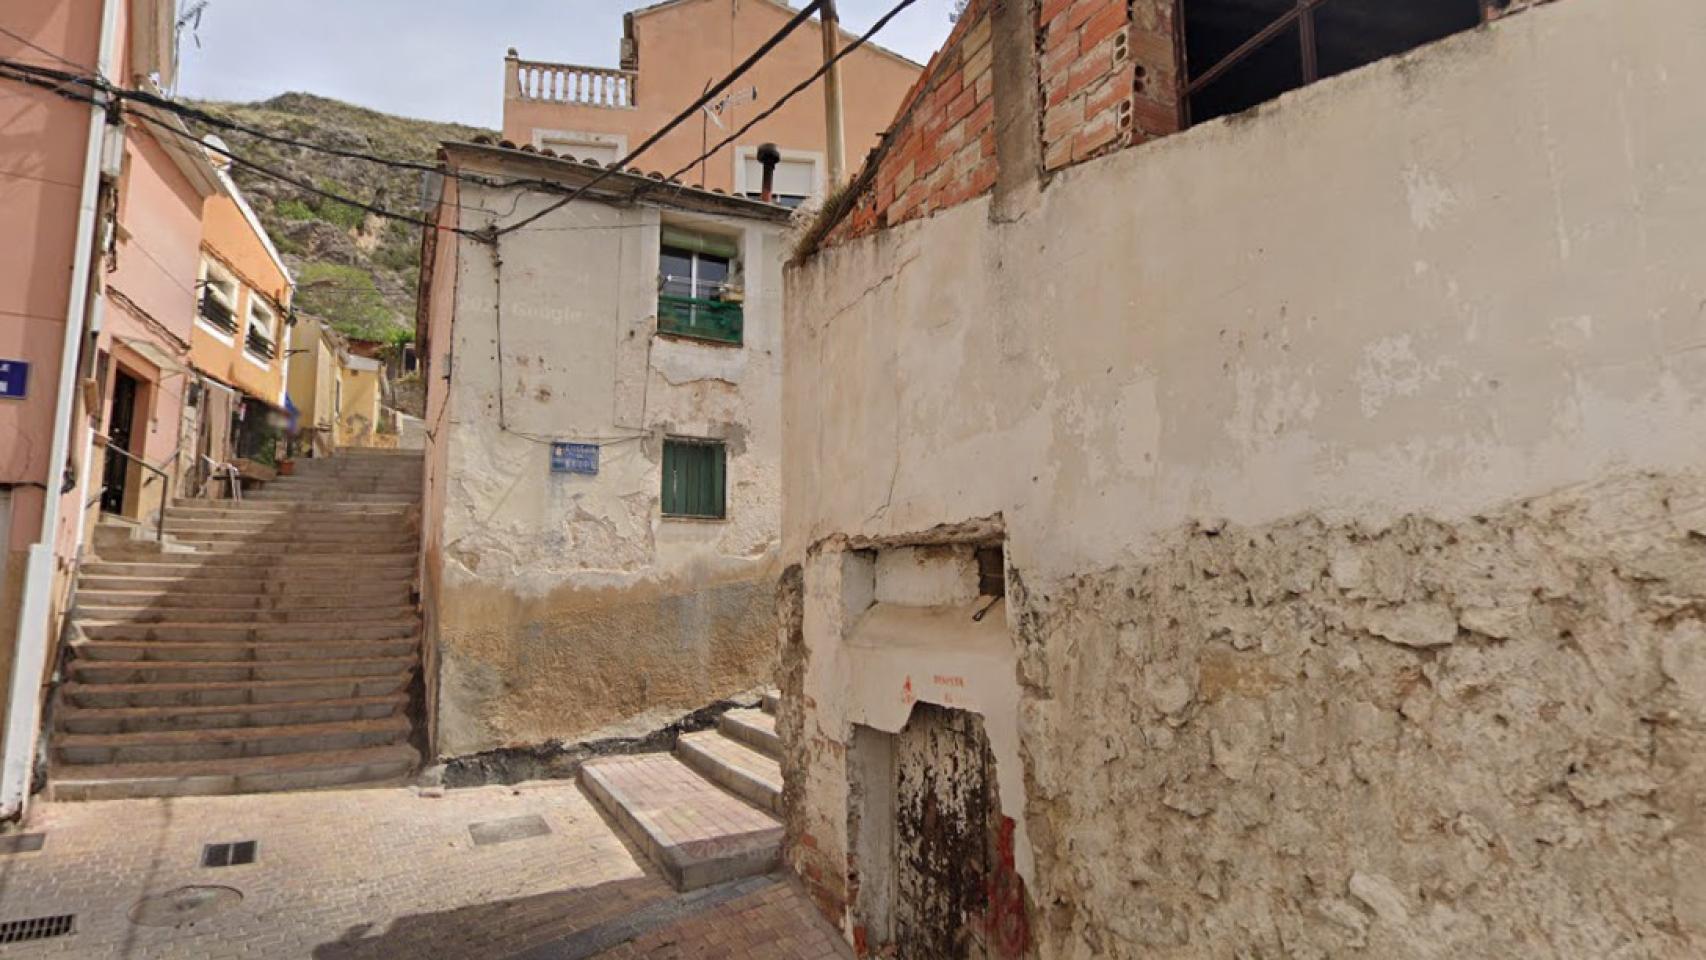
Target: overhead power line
(798, 88)
(711, 93)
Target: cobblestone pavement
(353, 875)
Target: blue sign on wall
(574, 458)
(14, 379)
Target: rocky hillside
(356, 269)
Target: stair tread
(73, 687)
(698, 832)
(227, 625)
(235, 766)
(70, 711)
(731, 752)
(229, 664)
(223, 734)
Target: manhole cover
(174, 908)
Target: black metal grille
(217, 314)
(228, 854)
(37, 928)
(258, 345)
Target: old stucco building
(602, 512)
(1279, 537)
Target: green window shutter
(694, 483)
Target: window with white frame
(260, 342)
(217, 308)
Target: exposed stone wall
(1434, 739)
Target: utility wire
(798, 88)
(710, 94)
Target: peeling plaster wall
(567, 605)
(1348, 457)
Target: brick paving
(365, 874)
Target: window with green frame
(694, 478)
(695, 296)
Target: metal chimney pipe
(768, 158)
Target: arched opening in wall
(933, 854)
(1240, 53)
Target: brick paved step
(231, 592)
(189, 631)
(755, 728)
(735, 767)
(229, 671)
(231, 652)
(75, 719)
(171, 746)
(355, 611)
(231, 693)
(695, 832)
(373, 766)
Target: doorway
(936, 874)
(121, 433)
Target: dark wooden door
(945, 798)
(121, 428)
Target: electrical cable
(711, 93)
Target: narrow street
(530, 871)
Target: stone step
(771, 699)
(387, 546)
(229, 592)
(191, 631)
(227, 652)
(237, 566)
(351, 611)
(286, 523)
(373, 766)
(175, 746)
(234, 693)
(695, 832)
(253, 508)
(287, 495)
(755, 728)
(735, 767)
(130, 672)
(74, 719)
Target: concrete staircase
(707, 813)
(268, 645)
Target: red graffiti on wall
(1008, 926)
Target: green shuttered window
(693, 478)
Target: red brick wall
(1108, 76)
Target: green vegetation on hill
(357, 270)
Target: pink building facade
(97, 299)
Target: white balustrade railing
(571, 84)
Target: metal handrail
(166, 478)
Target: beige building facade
(669, 53)
(602, 514)
(1277, 539)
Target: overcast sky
(440, 59)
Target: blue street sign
(574, 458)
(14, 379)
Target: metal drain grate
(22, 843)
(37, 928)
(228, 854)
